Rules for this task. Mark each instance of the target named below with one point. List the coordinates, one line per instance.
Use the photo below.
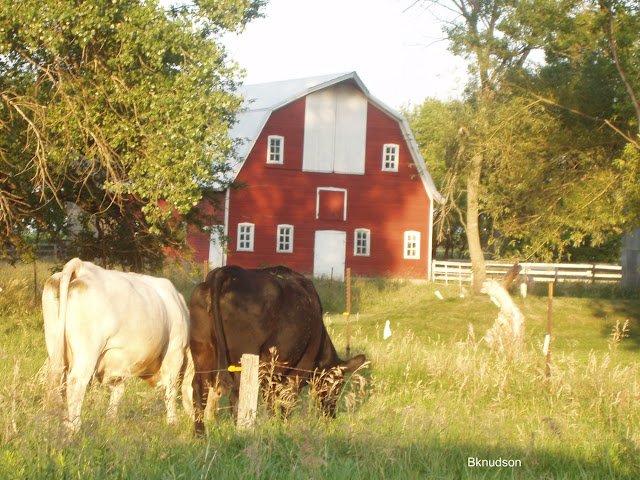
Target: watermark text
(494, 462)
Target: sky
(398, 52)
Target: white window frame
(246, 236)
(412, 245)
(278, 157)
(331, 189)
(390, 157)
(279, 237)
(367, 245)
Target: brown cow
(237, 311)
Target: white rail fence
(46, 250)
(460, 271)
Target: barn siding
(386, 203)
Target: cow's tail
(58, 361)
(216, 280)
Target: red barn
(332, 179)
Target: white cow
(113, 325)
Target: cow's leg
(214, 394)
(171, 398)
(234, 396)
(204, 362)
(201, 388)
(56, 385)
(76, 389)
(294, 385)
(187, 384)
(268, 394)
(213, 399)
(170, 372)
(117, 391)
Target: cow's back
(263, 308)
(132, 319)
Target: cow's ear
(355, 363)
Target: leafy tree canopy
(552, 151)
(120, 106)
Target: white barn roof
(262, 99)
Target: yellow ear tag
(233, 368)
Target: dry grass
(433, 395)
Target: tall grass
(436, 395)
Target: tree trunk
(102, 242)
(473, 227)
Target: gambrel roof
(260, 100)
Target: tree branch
(621, 71)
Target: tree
(479, 32)
(120, 107)
(538, 181)
(591, 80)
(435, 125)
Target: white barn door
(335, 131)
(329, 254)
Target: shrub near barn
(436, 396)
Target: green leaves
(108, 103)
(559, 142)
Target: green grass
(436, 395)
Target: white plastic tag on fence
(545, 348)
(523, 290)
(387, 330)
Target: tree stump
(507, 333)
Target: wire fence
(419, 385)
(538, 393)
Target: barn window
(275, 153)
(285, 239)
(362, 242)
(331, 204)
(390, 157)
(412, 245)
(245, 237)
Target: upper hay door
(335, 131)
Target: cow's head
(326, 385)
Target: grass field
(436, 395)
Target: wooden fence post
(348, 313)
(249, 388)
(331, 286)
(547, 340)
(35, 281)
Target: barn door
(329, 254)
